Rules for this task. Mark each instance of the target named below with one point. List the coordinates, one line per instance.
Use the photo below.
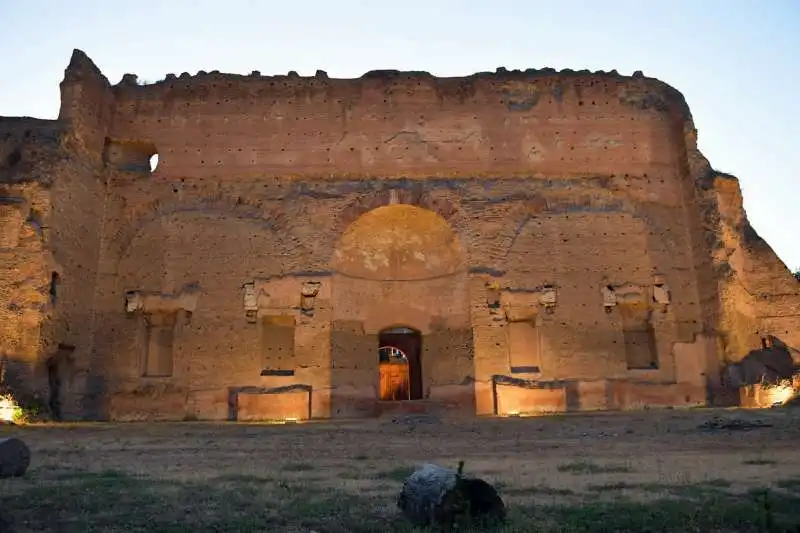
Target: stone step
(406, 407)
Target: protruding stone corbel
(183, 302)
(134, 301)
(662, 297)
(548, 298)
(626, 294)
(609, 298)
(256, 298)
(527, 304)
(308, 295)
(250, 302)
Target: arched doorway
(400, 370)
(399, 272)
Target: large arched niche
(400, 264)
(399, 243)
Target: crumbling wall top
(27, 146)
(660, 95)
(82, 68)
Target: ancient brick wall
(386, 124)
(558, 230)
(568, 180)
(220, 347)
(53, 199)
(25, 261)
(758, 296)
(87, 106)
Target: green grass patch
(588, 467)
(115, 502)
(298, 467)
(694, 491)
(792, 484)
(401, 473)
(540, 490)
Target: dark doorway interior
(56, 367)
(399, 351)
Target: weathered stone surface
(15, 457)
(516, 399)
(555, 227)
(276, 404)
(443, 498)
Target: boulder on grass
(437, 496)
(15, 457)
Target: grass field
(634, 472)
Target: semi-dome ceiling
(398, 242)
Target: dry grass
(638, 472)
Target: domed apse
(399, 243)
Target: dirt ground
(653, 470)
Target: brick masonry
(555, 237)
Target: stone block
(15, 457)
(209, 404)
(454, 398)
(484, 398)
(592, 395)
(287, 405)
(632, 395)
(512, 399)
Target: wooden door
(394, 381)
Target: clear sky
(737, 62)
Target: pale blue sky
(736, 61)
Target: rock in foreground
(436, 496)
(15, 457)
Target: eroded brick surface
(551, 228)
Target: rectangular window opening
(160, 335)
(277, 345)
(640, 348)
(524, 347)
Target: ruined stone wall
(385, 124)
(581, 243)
(570, 180)
(758, 296)
(52, 198)
(26, 262)
(78, 216)
(221, 245)
(205, 242)
(87, 106)
(53, 190)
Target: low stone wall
(513, 398)
(282, 404)
(509, 396)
